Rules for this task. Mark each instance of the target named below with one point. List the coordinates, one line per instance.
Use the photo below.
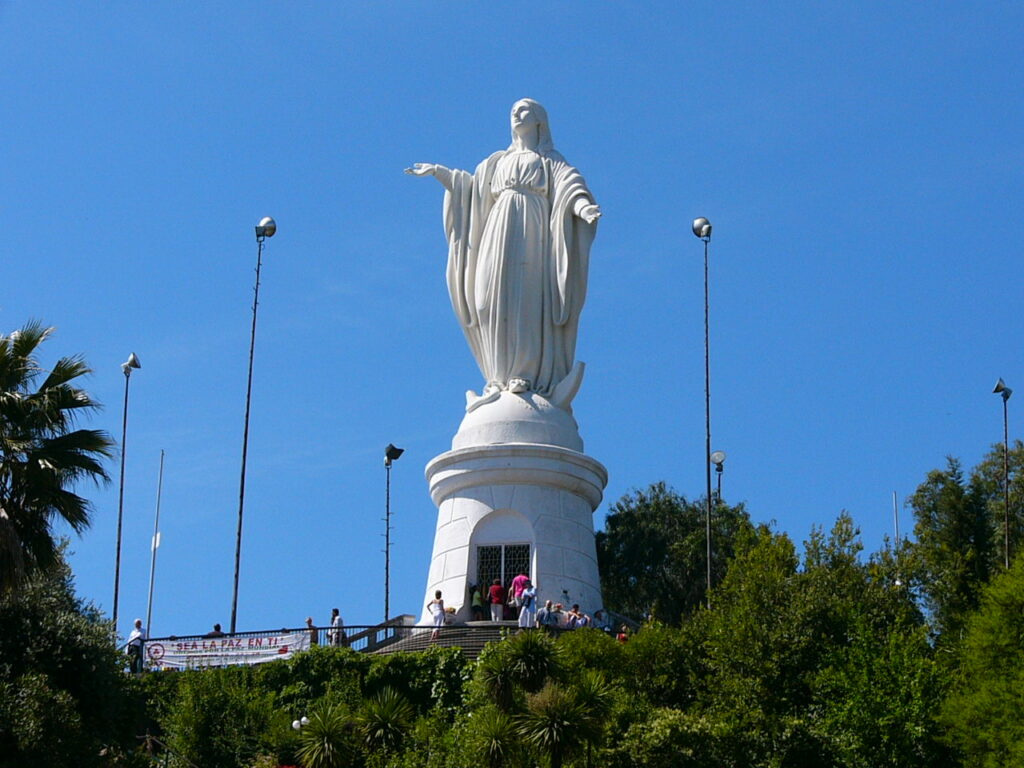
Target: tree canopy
(652, 553)
(43, 456)
(64, 698)
(985, 712)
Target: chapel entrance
(501, 561)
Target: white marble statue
(519, 231)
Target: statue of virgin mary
(519, 231)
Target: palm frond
(41, 457)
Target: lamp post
(266, 228)
(126, 368)
(718, 459)
(391, 453)
(154, 545)
(896, 531)
(702, 230)
(1001, 389)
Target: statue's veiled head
(526, 112)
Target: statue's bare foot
(518, 386)
(491, 388)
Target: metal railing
(364, 637)
(397, 634)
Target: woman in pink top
(518, 585)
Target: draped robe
(517, 264)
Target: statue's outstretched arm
(587, 210)
(439, 172)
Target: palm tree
(329, 740)
(595, 696)
(557, 723)
(532, 659)
(495, 741)
(385, 720)
(42, 455)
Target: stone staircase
(470, 636)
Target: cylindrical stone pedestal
(494, 499)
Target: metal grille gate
(503, 562)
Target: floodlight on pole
(1003, 390)
(132, 363)
(702, 230)
(718, 459)
(266, 228)
(391, 454)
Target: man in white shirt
(336, 634)
(135, 642)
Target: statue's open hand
(421, 169)
(590, 213)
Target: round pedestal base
(499, 504)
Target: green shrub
(220, 718)
(432, 678)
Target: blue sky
(861, 164)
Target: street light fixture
(1001, 389)
(266, 228)
(391, 453)
(702, 230)
(127, 367)
(718, 459)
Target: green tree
(557, 723)
(42, 455)
(652, 553)
(987, 478)
(984, 714)
(493, 740)
(330, 739)
(219, 717)
(64, 700)
(818, 663)
(520, 664)
(955, 552)
(385, 720)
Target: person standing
(496, 597)
(528, 606)
(336, 634)
(313, 639)
(436, 608)
(518, 585)
(477, 602)
(136, 640)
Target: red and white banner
(197, 653)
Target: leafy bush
(434, 677)
(64, 699)
(220, 718)
(668, 738)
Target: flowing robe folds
(517, 264)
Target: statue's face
(524, 116)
